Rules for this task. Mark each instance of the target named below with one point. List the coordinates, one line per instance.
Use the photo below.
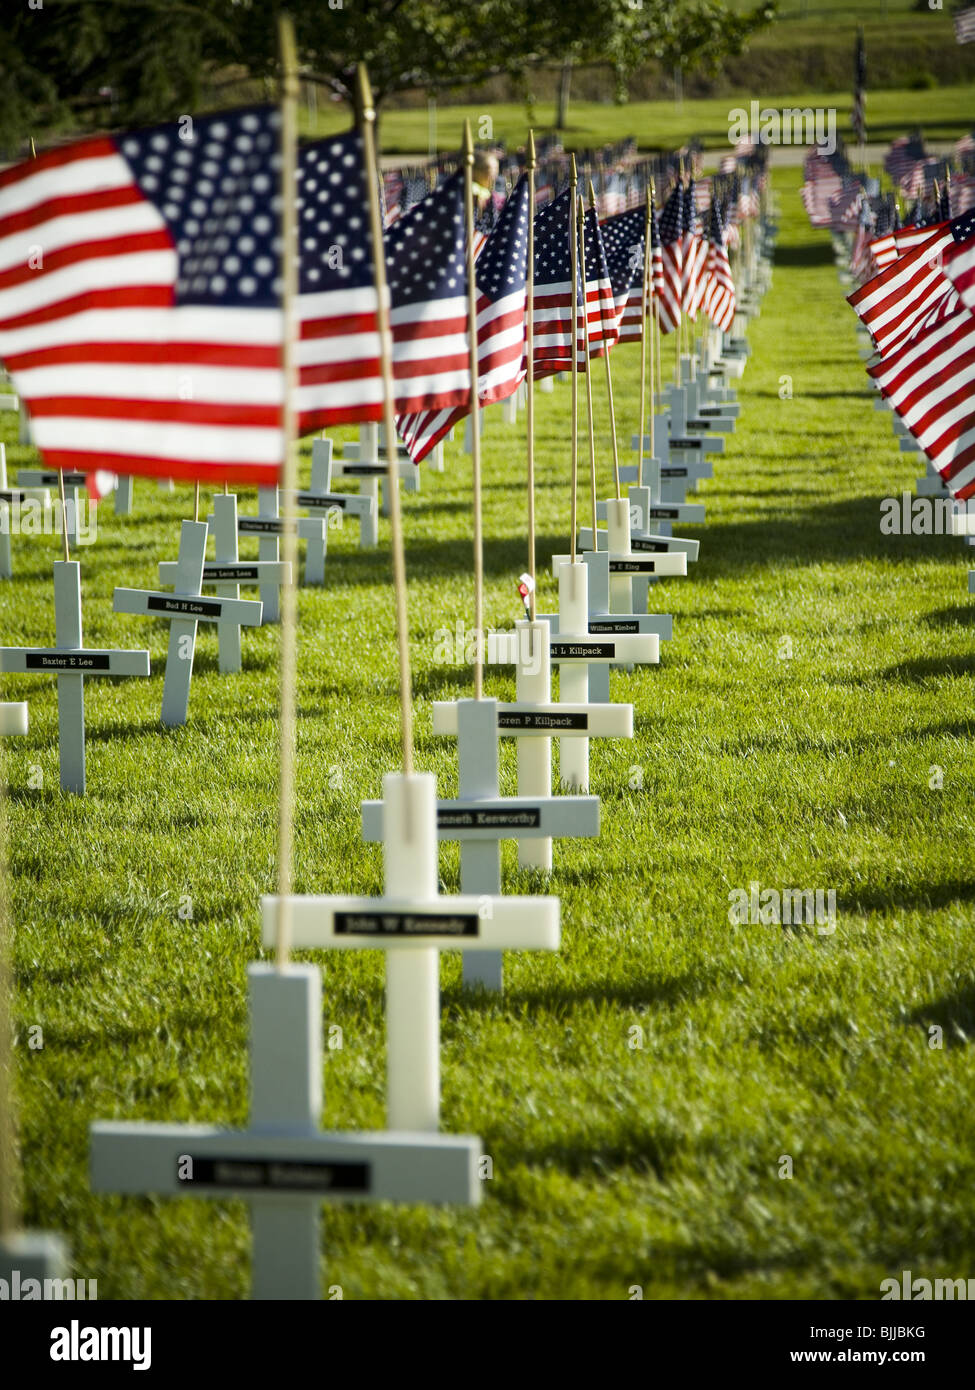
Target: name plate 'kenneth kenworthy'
(529, 818)
(280, 1175)
(406, 924)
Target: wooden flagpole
(530, 364)
(475, 418)
(368, 112)
(573, 373)
(61, 493)
(289, 444)
(643, 340)
(9, 1196)
(609, 387)
(588, 361)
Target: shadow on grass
(953, 1013)
(958, 615)
(920, 896)
(926, 668)
(555, 999)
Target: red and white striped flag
(718, 301)
(140, 301)
(895, 303)
(501, 294)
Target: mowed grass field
(943, 113)
(613, 1165)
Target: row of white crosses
(283, 1164)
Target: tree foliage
(154, 55)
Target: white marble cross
(12, 498)
(269, 526)
(323, 504)
(575, 650)
(73, 483)
(365, 464)
(480, 818)
(669, 478)
(283, 1165)
(413, 923)
(226, 572)
(71, 662)
(183, 609)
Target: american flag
(965, 25)
(718, 301)
(601, 316)
(930, 382)
(694, 254)
(822, 183)
(552, 325)
(909, 238)
(623, 238)
(668, 290)
(501, 295)
(904, 159)
(140, 300)
(898, 302)
(426, 267)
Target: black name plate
(663, 513)
(234, 572)
(71, 661)
(490, 818)
(580, 651)
(656, 546)
(673, 472)
(260, 526)
(613, 625)
(554, 722)
(323, 499)
(281, 1174)
(185, 607)
(632, 567)
(690, 443)
(406, 924)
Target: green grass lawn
(944, 114)
(613, 1165)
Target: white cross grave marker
(283, 1165)
(11, 504)
(323, 504)
(362, 463)
(412, 923)
(575, 650)
(480, 818)
(71, 662)
(226, 572)
(183, 609)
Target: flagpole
(475, 420)
(609, 381)
(643, 340)
(61, 492)
(368, 116)
(289, 548)
(9, 1196)
(588, 361)
(573, 375)
(530, 376)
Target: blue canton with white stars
(426, 248)
(672, 218)
(964, 226)
(334, 236)
(552, 236)
(623, 238)
(502, 265)
(214, 180)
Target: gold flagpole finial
(592, 194)
(367, 106)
